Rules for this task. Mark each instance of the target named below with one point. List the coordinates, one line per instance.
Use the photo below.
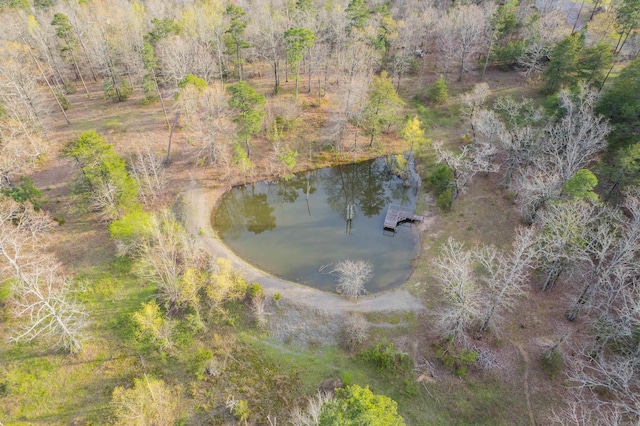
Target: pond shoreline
(195, 206)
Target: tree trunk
(486, 61)
(75, 64)
(595, 6)
(575, 23)
(461, 65)
(582, 300)
(173, 127)
(276, 85)
(606, 77)
(552, 276)
(55, 96)
(86, 57)
(309, 91)
(164, 109)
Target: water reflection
(293, 227)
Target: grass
(477, 400)
(55, 388)
(438, 121)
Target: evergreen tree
(298, 40)
(237, 24)
(439, 92)
(383, 105)
(563, 63)
(250, 105)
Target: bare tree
(22, 137)
(352, 275)
(148, 170)
(571, 143)
(259, 310)
(45, 299)
(211, 124)
(473, 158)
(462, 36)
(168, 258)
(613, 242)
(454, 268)
(561, 240)
(104, 199)
(545, 31)
(561, 149)
(22, 230)
(506, 275)
(609, 384)
(472, 101)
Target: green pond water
(274, 226)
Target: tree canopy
(355, 406)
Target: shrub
(552, 363)
(255, 291)
(117, 92)
(355, 405)
(64, 102)
(25, 191)
(199, 83)
(199, 362)
(445, 200)
(355, 331)
(439, 92)
(386, 358)
(440, 179)
(131, 230)
(241, 410)
(457, 359)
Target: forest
(124, 122)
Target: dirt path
(525, 357)
(197, 203)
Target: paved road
(571, 10)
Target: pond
(297, 228)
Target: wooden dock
(397, 215)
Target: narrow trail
(527, 394)
(195, 209)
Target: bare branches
(506, 274)
(311, 415)
(355, 331)
(167, 257)
(147, 168)
(570, 144)
(45, 299)
(22, 137)
(473, 159)
(454, 268)
(22, 229)
(561, 240)
(352, 275)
